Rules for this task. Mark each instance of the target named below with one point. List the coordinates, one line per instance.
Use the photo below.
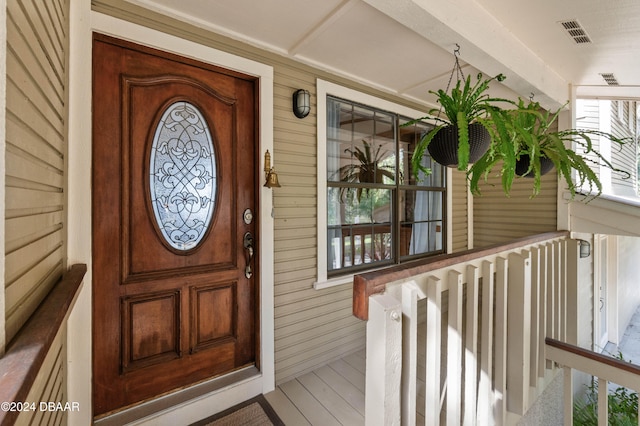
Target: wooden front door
(174, 272)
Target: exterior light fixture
(270, 175)
(585, 248)
(301, 103)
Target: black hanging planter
(444, 145)
(522, 165)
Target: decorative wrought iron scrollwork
(183, 176)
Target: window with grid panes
(378, 213)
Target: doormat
(254, 412)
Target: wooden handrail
(605, 368)
(25, 354)
(370, 283)
(594, 356)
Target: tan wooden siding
(498, 219)
(313, 327)
(459, 222)
(35, 146)
(49, 387)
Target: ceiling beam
(608, 92)
(322, 26)
(485, 44)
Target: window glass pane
(359, 230)
(334, 207)
(369, 162)
(421, 223)
(409, 138)
(351, 246)
(360, 144)
(383, 148)
(336, 134)
(354, 206)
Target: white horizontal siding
(589, 119)
(625, 157)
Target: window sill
(622, 199)
(333, 282)
(344, 279)
(606, 214)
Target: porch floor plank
(355, 377)
(330, 395)
(355, 361)
(308, 405)
(344, 388)
(286, 410)
(339, 408)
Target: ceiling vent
(575, 31)
(610, 79)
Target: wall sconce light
(301, 103)
(585, 248)
(270, 175)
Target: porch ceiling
(405, 46)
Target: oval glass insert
(183, 179)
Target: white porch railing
(461, 339)
(606, 369)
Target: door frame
(79, 220)
(606, 257)
(600, 289)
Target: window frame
(324, 89)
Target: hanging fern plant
(526, 133)
(519, 139)
(467, 110)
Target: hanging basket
(444, 145)
(522, 165)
